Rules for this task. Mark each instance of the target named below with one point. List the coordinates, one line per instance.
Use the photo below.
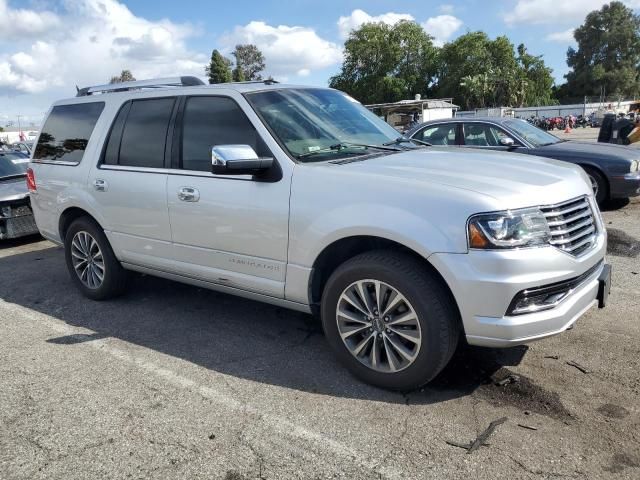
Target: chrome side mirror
(237, 160)
(507, 142)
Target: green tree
(608, 53)
(250, 61)
(238, 74)
(538, 79)
(125, 76)
(479, 72)
(219, 68)
(386, 63)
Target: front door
(486, 136)
(228, 230)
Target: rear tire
(599, 185)
(399, 353)
(93, 266)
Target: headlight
(514, 228)
(634, 166)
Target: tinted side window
(145, 133)
(439, 134)
(482, 135)
(66, 132)
(210, 121)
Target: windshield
(308, 121)
(535, 136)
(12, 164)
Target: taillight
(31, 180)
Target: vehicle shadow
(223, 333)
(615, 204)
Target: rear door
(445, 134)
(130, 185)
(230, 230)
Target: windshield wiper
(400, 140)
(338, 147)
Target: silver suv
(301, 197)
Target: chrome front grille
(573, 225)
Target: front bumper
(484, 284)
(17, 221)
(625, 186)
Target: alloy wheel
(87, 259)
(378, 325)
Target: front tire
(389, 320)
(93, 266)
(599, 185)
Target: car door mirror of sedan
(237, 160)
(507, 142)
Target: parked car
(16, 217)
(309, 201)
(24, 147)
(612, 169)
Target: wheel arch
(68, 216)
(339, 251)
(586, 166)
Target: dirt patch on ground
(621, 244)
(613, 411)
(508, 388)
(621, 461)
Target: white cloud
(20, 21)
(98, 38)
(565, 36)
(360, 17)
(556, 11)
(442, 27)
(286, 49)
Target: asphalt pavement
(173, 381)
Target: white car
(301, 197)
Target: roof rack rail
(187, 81)
(266, 81)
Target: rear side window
(138, 137)
(210, 121)
(66, 132)
(444, 134)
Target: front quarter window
(313, 120)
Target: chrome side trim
(280, 302)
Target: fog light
(536, 303)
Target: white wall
(436, 113)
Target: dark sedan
(16, 217)
(612, 169)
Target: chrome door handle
(188, 194)
(100, 185)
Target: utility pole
(19, 128)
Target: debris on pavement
(486, 434)
(578, 366)
(552, 357)
(528, 427)
(480, 439)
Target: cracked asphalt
(172, 381)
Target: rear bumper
(485, 283)
(18, 222)
(625, 186)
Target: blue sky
(49, 46)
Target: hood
(512, 180)
(13, 189)
(570, 149)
